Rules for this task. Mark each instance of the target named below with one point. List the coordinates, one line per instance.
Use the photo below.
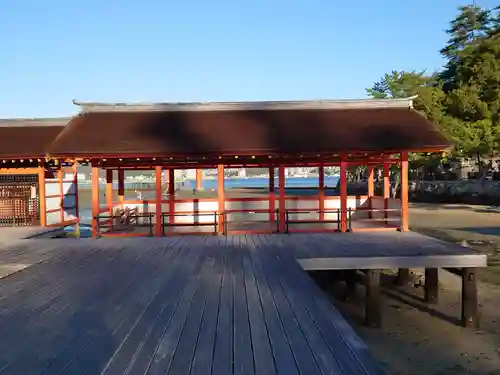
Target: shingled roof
(28, 138)
(258, 128)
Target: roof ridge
(246, 106)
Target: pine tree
(470, 25)
(494, 28)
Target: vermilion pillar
(282, 201)
(404, 191)
(371, 190)
(387, 189)
(171, 195)
(95, 200)
(321, 188)
(75, 183)
(272, 207)
(220, 197)
(343, 195)
(121, 186)
(60, 176)
(199, 179)
(109, 191)
(158, 198)
(41, 190)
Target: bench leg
(373, 313)
(350, 285)
(470, 308)
(403, 277)
(431, 285)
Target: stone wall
(465, 191)
(485, 192)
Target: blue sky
(54, 51)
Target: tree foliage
(464, 97)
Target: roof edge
(246, 106)
(34, 122)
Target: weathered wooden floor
(186, 305)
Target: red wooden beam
(271, 195)
(158, 198)
(404, 192)
(220, 196)
(282, 201)
(95, 199)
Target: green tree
(494, 28)
(471, 24)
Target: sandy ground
(418, 338)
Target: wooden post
(282, 201)
(403, 277)
(321, 185)
(75, 182)
(109, 191)
(95, 199)
(470, 308)
(343, 195)
(42, 194)
(387, 189)
(199, 179)
(158, 199)
(220, 197)
(404, 192)
(61, 192)
(431, 285)
(371, 190)
(121, 186)
(171, 195)
(272, 208)
(373, 317)
(350, 285)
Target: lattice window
(19, 200)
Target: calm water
(235, 183)
(264, 182)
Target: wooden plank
(203, 357)
(262, 351)
(223, 352)
(26, 303)
(92, 348)
(144, 349)
(136, 338)
(242, 346)
(351, 353)
(166, 349)
(282, 352)
(54, 332)
(186, 346)
(310, 351)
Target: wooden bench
(311, 221)
(195, 223)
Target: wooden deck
(185, 305)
